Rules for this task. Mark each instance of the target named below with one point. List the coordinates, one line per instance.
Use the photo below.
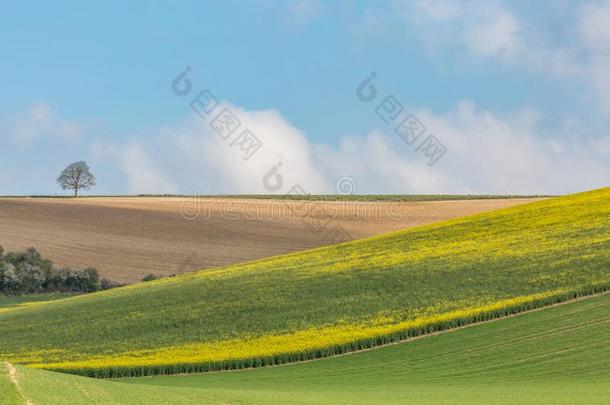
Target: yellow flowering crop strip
(307, 344)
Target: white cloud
(594, 26)
(491, 31)
(485, 154)
(194, 157)
(40, 122)
(141, 173)
(594, 30)
(484, 29)
(378, 163)
(281, 143)
(578, 50)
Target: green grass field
(556, 355)
(9, 395)
(328, 300)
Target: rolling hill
(556, 355)
(328, 300)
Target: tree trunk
(75, 192)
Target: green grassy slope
(48, 388)
(326, 300)
(557, 355)
(8, 391)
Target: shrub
(149, 277)
(28, 272)
(106, 284)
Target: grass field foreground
(556, 355)
(9, 394)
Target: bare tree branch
(75, 177)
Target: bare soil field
(126, 238)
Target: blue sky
(516, 92)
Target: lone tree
(75, 177)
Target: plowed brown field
(126, 238)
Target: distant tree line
(28, 272)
